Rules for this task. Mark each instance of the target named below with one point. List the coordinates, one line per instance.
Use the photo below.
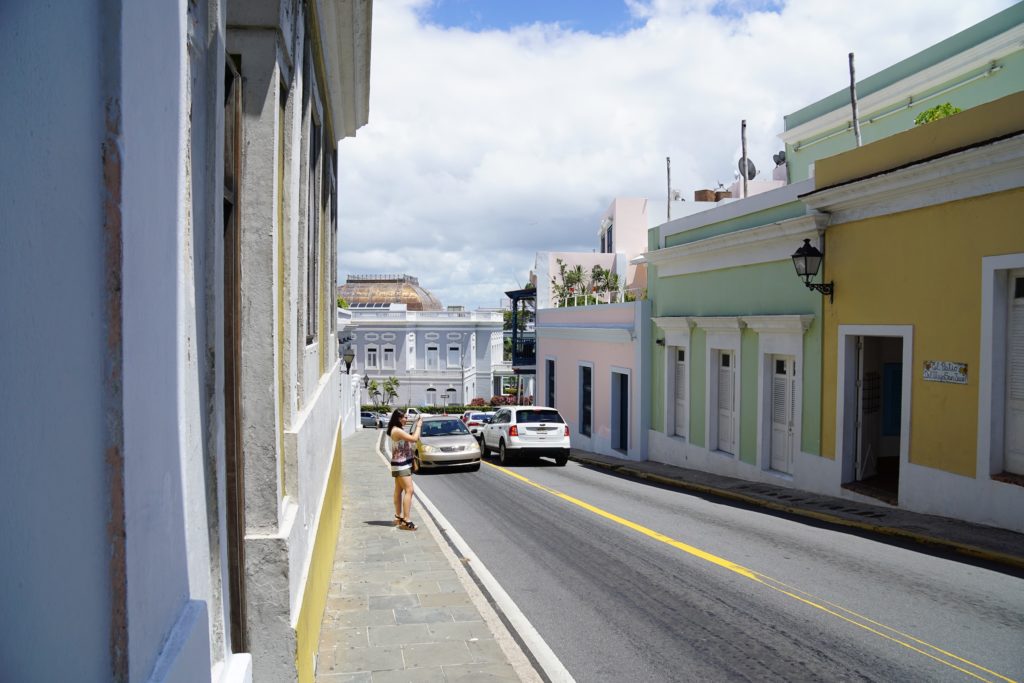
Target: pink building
(590, 341)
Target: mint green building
(736, 351)
(980, 64)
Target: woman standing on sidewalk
(401, 466)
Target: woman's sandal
(398, 520)
(407, 525)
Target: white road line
(548, 661)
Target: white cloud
(484, 148)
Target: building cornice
(992, 167)
(778, 324)
(763, 244)
(934, 76)
(726, 324)
(677, 329)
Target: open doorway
(874, 405)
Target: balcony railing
(432, 316)
(595, 298)
(524, 352)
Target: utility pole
(743, 162)
(853, 102)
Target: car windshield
(529, 416)
(451, 427)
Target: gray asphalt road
(628, 581)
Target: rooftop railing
(595, 298)
(433, 316)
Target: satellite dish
(779, 158)
(750, 170)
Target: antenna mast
(668, 178)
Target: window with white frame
(388, 357)
(725, 399)
(780, 343)
(681, 404)
(433, 360)
(454, 355)
(371, 357)
(431, 397)
(723, 376)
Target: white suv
(527, 431)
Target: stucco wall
(609, 338)
(55, 359)
(761, 289)
(922, 268)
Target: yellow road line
(907, 641)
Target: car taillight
(567, 430)
(513, 431)
(475, 424)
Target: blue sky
(600, 17)
(592, 16)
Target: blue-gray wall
(56, 597)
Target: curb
(961, 548)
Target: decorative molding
(432, 336)
(454, 336)
(727, 324)
(371, 336)
(763, 244)
(388, 336)
(994, 167)
(616, 335)
(927, 79)
(677, 329)
(778, 324)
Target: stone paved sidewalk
(400, 608)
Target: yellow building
(923, 344)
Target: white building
(171, 408)
(439, 357)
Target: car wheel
(483, 447)
(561, 460)
(503, 455)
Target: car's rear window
(525, 416)
(480, 416)
(443, 427)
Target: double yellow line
(887, 632)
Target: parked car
(413, 414)
(475, 421)
(527, 431)
(446, 442)
(368, 419)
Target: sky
(500, 128)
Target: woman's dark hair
(395, 421)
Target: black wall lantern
(348, 357)
(807, 261)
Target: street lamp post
(348, 357)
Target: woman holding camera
(401, 466)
